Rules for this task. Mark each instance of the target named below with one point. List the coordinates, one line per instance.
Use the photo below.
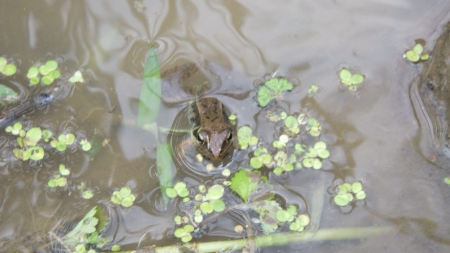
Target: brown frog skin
(210, 129)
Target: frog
(210, 130)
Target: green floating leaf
(3, 61)
(341, 199)
(215, 192)
(87, 194)
(425, 57)
(51, 65)
(125, 192)
(33, 72)
(447, 180)
(171, 193)
(10, 70)
(360, 195)
(76, 78)
(43, 70)
(412, 56)
(32, 137)
(356, 187)
(418, 49)
(217, 205)
(206, 208)
(345, 74)
(7, 93)
(272, 88)
(63, 170)
(34, 80)
(283, 216)
(357, 79)
(242, 184)
(47, 80)
(150, 97)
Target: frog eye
(199, 137)
(229, 136)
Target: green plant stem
(273, 240)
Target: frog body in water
(211, 132)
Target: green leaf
(87, 194)
(425, 57)
(128, 201)
(10, 70)
(150, 97)
(164, 165)
(32, 72)
(3, 61)
(32, 137)
(43, 70)
(125, 192)
(242, 184)
(412, 56)
(86, 226)
(63, 170)
(215, 192)
(447, 180)
(206, 208)
(217, 205)
(7, 93)
(356, 187)
(282, 215)
(357, 79)
(51, 65)
(345, 74)
(341, 199)
(34, 80)
(55, 74)
(47, 134)
(418, 49)
(264, 96)
(47, 80)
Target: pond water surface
(373, 134)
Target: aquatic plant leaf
(32, 137)
(418, 49)
(345, 74)
(125, 192)
(217, 205)
(51, 65)
(93, 221)
(356, 187)
(34, 80)
(10, 70)
(3, 61)
(242, 184)
(150, 97)
(164, 165)
(425, 57)
(215, 192)
(43, 70)
(87, 194)
(412, 56)
(341, 199)
(7, 93)
(360, 195)
(267, 211)
(282, 215)
(171, 193)
(272, 88)
(32, 72)
(127, 201)
(55, 74)
(357, 79)
(447, 180)
(47, 80)
(206, 208)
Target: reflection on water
(372, 134)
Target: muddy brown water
(374, 134)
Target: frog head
(213, 144)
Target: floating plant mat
(430, 94)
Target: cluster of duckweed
(77, 78)
(416, 54)
(313, 89)
(206, 201)
(245, 137)
(28, 142)
(44, 73)
(123, 197)
(59, 179)
(349, 79)
(7, 69)
(232, 119)
(348, 193)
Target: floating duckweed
(313, 127)
(261, 158)
(350, 80)
(178, 190)
(275, 117)
(346, 193)
(245, 137)
(85, 145)
(87, 194)
(7, 69)
(300, 223)
(123, 197)
(415, 55)
(273, 88)
(63, 170)
(232, 119)
(291, 124)
(47, 134)
(184, 233)
(215, 192)
(283, 216)
(447, 180)
(313, 89)
(46, 73)
(77, 78)
(226, 172)
(115, 248)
